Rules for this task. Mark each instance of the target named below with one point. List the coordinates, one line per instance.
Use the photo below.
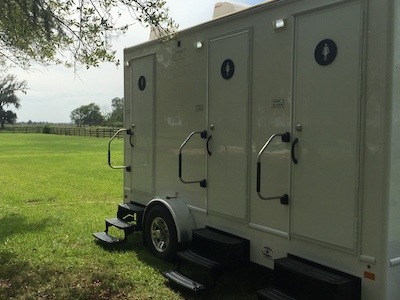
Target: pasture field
(54, 192)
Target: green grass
(54, 192)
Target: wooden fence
(73, 131)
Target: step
(220, 246)
(131, 212)
(130, 208)
(105, 238)
(183, 281)
(198, 260)
(121, 224)
(271, 293)
(308, 280)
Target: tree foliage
(116, 117)
(9, 86)
(87, 115)
(72, 31)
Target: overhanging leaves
(72, 32)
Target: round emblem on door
(325, 52)
(142, 83)
(227, 69)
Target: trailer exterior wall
(369, 246)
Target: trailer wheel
(160, 233)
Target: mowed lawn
(54, 192)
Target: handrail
(286, 139)
(203, 134)
(127, 168)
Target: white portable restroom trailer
(278, 124)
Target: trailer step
(131, 212)
(129, 219)
(213, 251)
(198, 260)
(120, 224)
(183, 281)
(307, 280)
(105, 238)
(271, 293)
(220, 246)
(128, 208)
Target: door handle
(294, 159)
(208, 143)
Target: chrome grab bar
(286, 139)
(203, 135)
(127, 168)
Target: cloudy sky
(55, 91)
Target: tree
(117, 114)
(8, 88)
(45, 31)
(87, 115)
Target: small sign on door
(325, 52)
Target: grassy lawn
(57, 190)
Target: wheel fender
(182, 216)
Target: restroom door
(228, 106)
(142, 116)
(326, 126)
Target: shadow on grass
(21, 280)
(14, 224)
(135, 244)
(238, 283)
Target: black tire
(160, 233)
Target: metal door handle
(131, 135)
(294, 159)
(208, 143)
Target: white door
(326, 122)
(142, 117)
(228, 105)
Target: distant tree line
(91, 115)
(85, 115)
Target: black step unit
(119, 223)
(198, 260)
(131, 212)
(220, 246)
(271, 293)
(183, 281)
(308, 280)
(128, 228)
(129, 219)
(212, 250)
(106, 238)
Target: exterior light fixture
(279, 24)
(198, 44)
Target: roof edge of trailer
(235, 14)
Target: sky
(54, 92)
